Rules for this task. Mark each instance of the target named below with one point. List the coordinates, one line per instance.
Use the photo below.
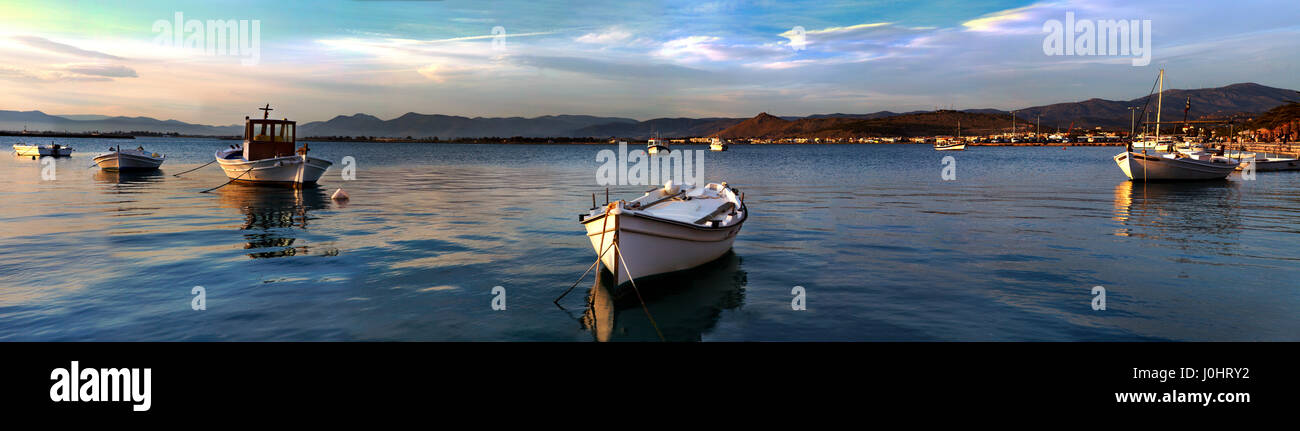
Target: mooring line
(246, 171)
(195, 169)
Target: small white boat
(656, 146)
(268, 155)
(129, 160)
(953, 144)
(1264, 163)
(1172, 166)
(717, 145)
(666, 230)
(51, 150)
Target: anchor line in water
(246, 171)
(603, 225)
(195, 169)
(619, 253)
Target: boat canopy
(264, 139)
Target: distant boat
(717, 145)
(656, 146)
(129, 160)
(666, 230)
(951, 145)
(51, 150)
(268, 155)
(1173, 166)
(1263, 163)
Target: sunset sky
(635, 59)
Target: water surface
(884, 248)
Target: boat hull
(651, 246)
(123, 161)
(1143, 167)
(42, 151)
(1274, 165)
(957, 147)
(657, 149)
(288, 170)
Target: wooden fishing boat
(666, 230)
(129, 160)
(268, 155)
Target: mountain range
(1233, 99)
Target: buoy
(670, 188)
(340, 195)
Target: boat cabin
(265, 139)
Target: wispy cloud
(62, 48)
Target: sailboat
(953, 145)
(268, 155)
(1173, 166)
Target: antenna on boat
(266, 112)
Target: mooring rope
(246, 171)
(195, 169)
(619, 252)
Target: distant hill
(1219, 102)
(450, 126)
(1229, 101)
(914, 124)
(40, 121)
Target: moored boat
(51, 150)
(656, 146)
(717, 145)
(1172, 166)
(269, 156)
(950, 146)
(668, 229)
(129, 160)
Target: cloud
(610, 36)
(440, 73)
(996, 20)
(104, 70)
(52, 46)
(693, 48)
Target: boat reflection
(685, 305)
(1182, 212)
(272, 215)
(127, 177)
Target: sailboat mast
(1160, 98)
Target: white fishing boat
(953, 144)
(268, 155)
(656, 146)
(129, 160)
(950, 146)
(1157, 166)
(1264, 163)
(668, 229)
(51, 150)
(717, 145)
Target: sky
(637, 59)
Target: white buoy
(340, 195)
(670, 188)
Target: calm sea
(883, 248)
